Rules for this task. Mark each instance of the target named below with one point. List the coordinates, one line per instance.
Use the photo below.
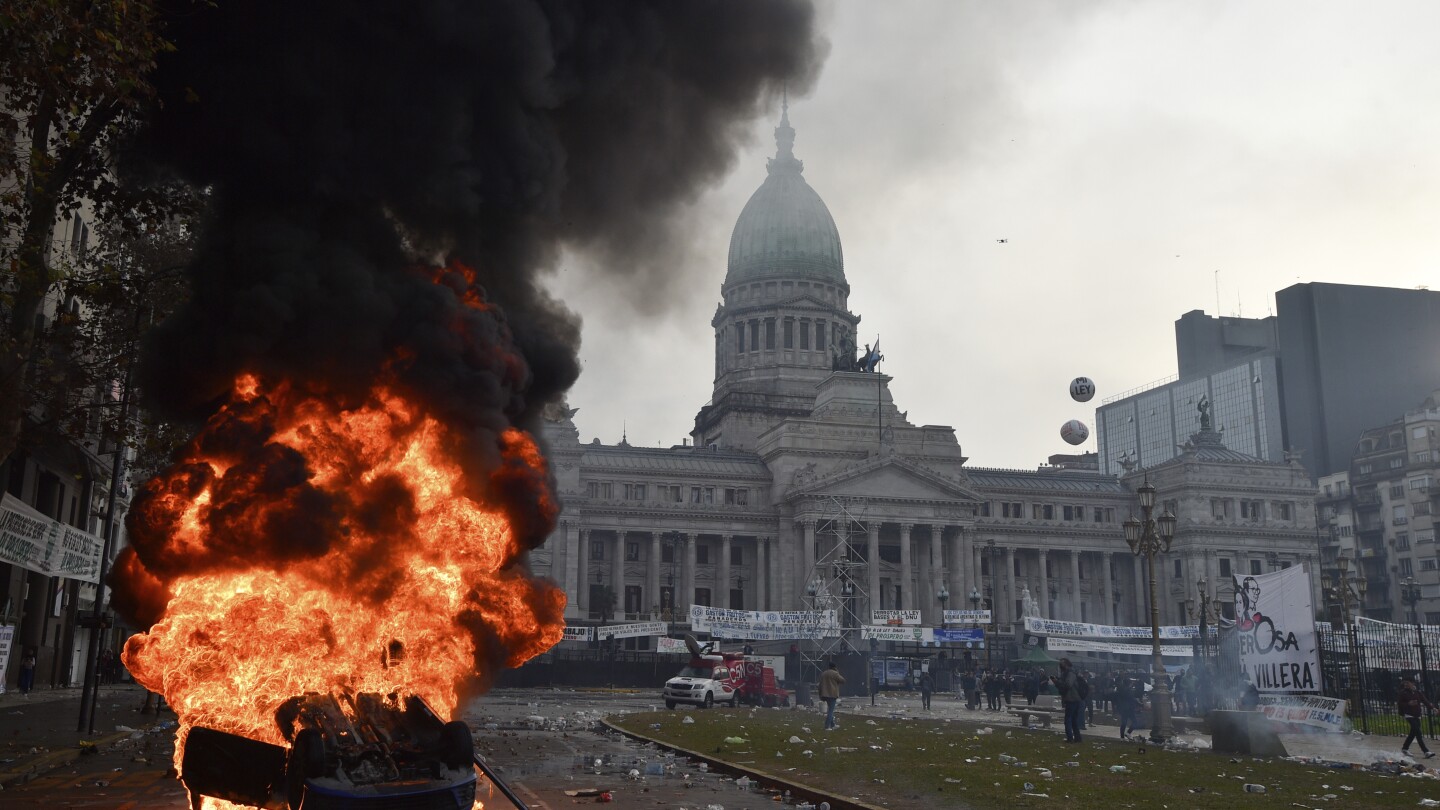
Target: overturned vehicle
(348, 751)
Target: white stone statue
(1028, 605)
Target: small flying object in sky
(1002, 241)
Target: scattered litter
(688, 720)
(1029, 787)
(736, 741)
(795, 739)
(1252, 788)
(1429, 803)
(1119, 769)
(1045, 773)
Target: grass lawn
(918, 763)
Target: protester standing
(830, 682)
(927, 685)
(1126, 702)
(27, 671)
(1068, 684)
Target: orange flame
(340, 548)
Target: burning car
(346, 751)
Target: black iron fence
(1364, 664)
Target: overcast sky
(1128, 153)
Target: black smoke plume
(345, 142)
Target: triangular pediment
(891, 478)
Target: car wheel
(709, 699)
(307, 760)
(457, 745)
(669, 704)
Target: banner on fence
(967, 635)
(1053, 627)
(1275, 620)
(31, 540)
(578, 633)
(631, 630)
(671, 645)
(1116, 647)
(1305, 710)
(967, 617)
(7, 638)
(895, 617)
(764, 625)
(913, 635)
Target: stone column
(686, 597)
(1044, 596)
(955, 569)
(1076, 597)
(762, 573)
(724, 569)
(1010, 594)
(807, 550)
(966, 561)
(872, 561)
(907, 572)
(573, 543)
(617, 572)
(935, 573)
(582, 589)
(1110, 606)
(652, 572)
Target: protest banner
(1116, 647)
(1275, 624)
(895, 617)
(31, 540)
(966, 617)
(1053, 627)
(578, 633)
(1313, 711)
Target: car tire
(670, 704)
(709, 700)
(306, 761)
(457, 745)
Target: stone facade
(798, 470)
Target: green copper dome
(785, 230)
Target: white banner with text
(1275, 623)
(1054, 627)
(1115, 647)
(33, 541)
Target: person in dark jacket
(927, 685)
(1410, 702)
(1068, 684)
(1126, 702)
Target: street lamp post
(990, 637)
(1206, 604)
(1149, 536)
(1349, 593)
(1410, 593)
(944, 596)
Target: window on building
(702, 597)
(1422, 508)
(1225, 568)
(1178, 573)
(632, 553)
(770, 334)
(1399, 514)
(1364, 469)
(1017, 566)
(1421, 484)
(1397, 463)
(1049, 567)
(702, 553)
(1425, 536)
(1074, 513)
(804, 334)
(601, 490)
(1283, 510)
(694, 494)
(789, 333)
(740, 337)
(737, 497)
(819, 334)
(737, 555)
(667, 553)
(597, 549)
(1013, 510)
(1220, 508)
(1397, 492)
(1285, 564)
(1407, 568)
(1227, 609)
(1042, 511)
(1172, 506)
(1255, 568)
(754, 336)
(1251, 510)
(985, 509)
(1103, 514)
(1417, 432)
(1427, 564)
(1402, 541)
(985, 566)
(634, 492)
(1080, 565)
(1345, 530)
(707, 494)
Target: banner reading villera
(1275, 620)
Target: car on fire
(346, 752)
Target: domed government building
(804, 485)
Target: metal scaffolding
(839, 579)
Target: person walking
(967, 683)
(1125, 705)
(1067, 683)
(927, 685)
(1007, 683)
(27, 671)
(1410, 701)
(830, 682)
(1032, 688)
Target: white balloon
(1082, 389)
(1074, 432)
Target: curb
(797, 789)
